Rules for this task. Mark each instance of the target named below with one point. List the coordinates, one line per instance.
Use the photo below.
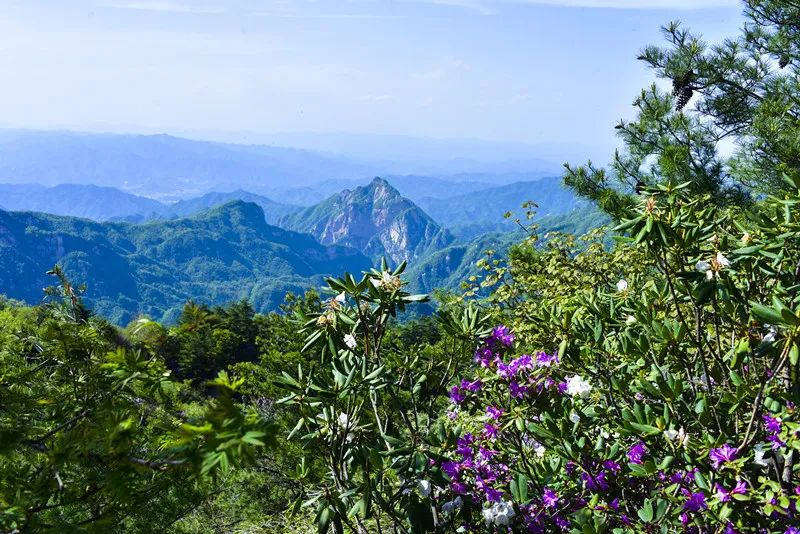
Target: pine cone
(683, 97)
(783, 61)
(682, 89)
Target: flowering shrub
(664, 402)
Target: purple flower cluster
(772, 425)
(458, 394)
(533, 387)
(501, 335)
(725, 495)
(636, 453)
(722, 455)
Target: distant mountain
(162, 166)
(273, 211)
(476, 212)
(224, 254)
(374, 219)
(89, 201)
(111, 204)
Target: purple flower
(561, 522)
(724, 495)
(493, 495)
(595, 483)
(612, 466)
(473, 386)
(490, 431)
(464, 446)
(501, 334)
(694, 501)
(722, 455)
(459, 488)
(451, 469)
(772, 424)
(792, 530)
(456, 397)
(494, 412)
(546, 360)
(484, 356)
(517, 391)
(549, 498)
(636, 453)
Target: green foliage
(92, 434)
(369, 409)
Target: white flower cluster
(578, 387)
(678, 437)
(350, 341)
(387, 281)
(424, 488)
(711, 268)
(500, 514)
(622, 286)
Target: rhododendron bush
(664, 400)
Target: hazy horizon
(556, 73)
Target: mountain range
(148, 254)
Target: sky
(554, 71)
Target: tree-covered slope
(475, 212)
(374, 219)
(225, 254)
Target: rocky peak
(375, 219)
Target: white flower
(500, 513)
(538, 449)
(678, 437)
(578, 387)
(723, 262)
(702, 266)
(769, 337)
(344, 420)
(760, 452)
(622, 285)
(574, 417)
(340, 298)
(350, 341)
(630, 320)
(453, 505)
(424, 488)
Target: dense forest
(641, 377)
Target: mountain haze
(161, 166)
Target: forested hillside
(222, 255)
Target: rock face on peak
(374, 219)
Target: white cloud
(167, 7)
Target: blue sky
(560, 71)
